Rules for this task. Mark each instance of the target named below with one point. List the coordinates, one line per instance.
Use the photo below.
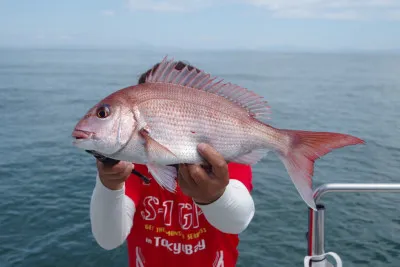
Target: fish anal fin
(168, 72)
(251, 158)
(156, 152)
(164, 175)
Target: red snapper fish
(161, 122)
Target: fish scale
(161, 122)
(160, 114)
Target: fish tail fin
(304, 148)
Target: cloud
(323, 9)
(290, 9)
(107, 13)
(40, 36)
(395, 14)
(169, 5)
(66, 37)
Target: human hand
(204, 186)
(113, 176)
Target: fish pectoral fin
(251, 158)
(164, 175)
(156, 152)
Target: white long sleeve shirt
(112, 212)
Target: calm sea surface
(46, 183)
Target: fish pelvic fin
(164, 175)
(305, 148)
(168, 72)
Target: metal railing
(316, 225)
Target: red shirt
(170, 230)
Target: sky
(202, 24)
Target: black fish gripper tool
(111, 162)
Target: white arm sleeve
(111, 214)
(233, 211)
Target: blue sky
(204, 24)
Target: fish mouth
(81, 135)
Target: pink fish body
(162, 121)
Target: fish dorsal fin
(166, 72)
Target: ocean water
(46, 183)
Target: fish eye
(103, 112)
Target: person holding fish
(196, 138)
(196, 226)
